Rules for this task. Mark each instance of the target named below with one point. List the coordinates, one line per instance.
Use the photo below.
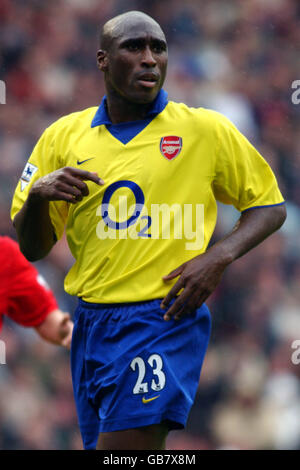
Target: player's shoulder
(73, 121)
(205, 116)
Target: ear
(102, 60)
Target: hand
(65, 331)
(66, 184)
(198, 279)
(57, 328)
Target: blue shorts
(131, 368)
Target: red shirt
(23, 297)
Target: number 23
(155, 361)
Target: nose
(148, 59)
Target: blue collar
(158, 105)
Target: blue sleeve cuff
(259, 207)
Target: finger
(190, 306)
(65, 332)
(72, 190)
(61, 196)
(87, 175)
(176, 272)
(193, 307)
(77, 183)
(172, 293)
(66, 342)
(179, 303)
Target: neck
(121, 110)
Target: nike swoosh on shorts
(146, 400)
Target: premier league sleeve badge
(27, 174)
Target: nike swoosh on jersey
(82, 161)
(146, 400)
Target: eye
(133, 46)
(158, 47)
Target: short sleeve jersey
(158, 206)
(24, 295)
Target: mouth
(148, 80)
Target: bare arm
(34, 228)
(200, 276)
(33, 224)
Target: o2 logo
(121, 221)
(106, 208)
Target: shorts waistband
(100, 306)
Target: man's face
(136, 63)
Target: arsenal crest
(170, 146)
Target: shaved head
(118, 26)
(133, 56)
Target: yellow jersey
(157, 208)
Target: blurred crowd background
(240, 58)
